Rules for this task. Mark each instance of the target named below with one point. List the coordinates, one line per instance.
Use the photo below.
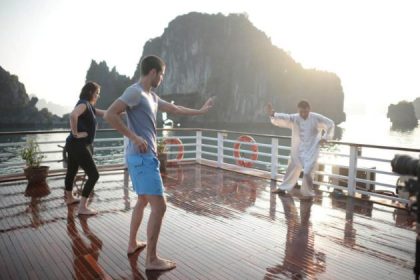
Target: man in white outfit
(309, 131)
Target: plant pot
(37, 190)
(163, 159)
(36, 175)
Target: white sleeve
(282, 120)
(327, 125)
(131, 97)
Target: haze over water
(376, 129)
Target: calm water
(371, 129)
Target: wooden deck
(219, 225)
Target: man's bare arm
(269, 110)
(278, 119)
(112, 116)
(181, 110)
(99, 112)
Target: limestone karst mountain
(228, 57)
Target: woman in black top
(79, 145)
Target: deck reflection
(219, 225)
(300, 258)
(85, 249)
(200, 190)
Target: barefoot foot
(72, 200)
(69, 199)
(87, 211)
(160, 264)
(136, 247)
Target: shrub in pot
(34, 172)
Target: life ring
(239, 159)
(176, 141)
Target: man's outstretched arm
(180, 110)
(278, 119)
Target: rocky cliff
(416, 104)
(112, 83)
(54, 108)
(228, 57)
(17, 109)
(402, 115)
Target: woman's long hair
(88, 90)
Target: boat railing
(351, 168)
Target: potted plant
(162, 155)
(34, 172)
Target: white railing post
(198, 141)
(274, 157)
(219, 149)
(351, 183)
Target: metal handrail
(32, 132)
(220, 154)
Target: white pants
(292, 176)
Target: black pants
(80, 155)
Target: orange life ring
(240, 160)
(176, 141)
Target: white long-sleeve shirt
(306, 135)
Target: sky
(374, 46)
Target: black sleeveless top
(85, 123)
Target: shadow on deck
(219, 225)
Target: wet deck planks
(219, 225)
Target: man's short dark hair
(151, 62)
(88, 90)
(303, 104)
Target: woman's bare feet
(69, 198)
(86, 211)
(133, 248)
(72, 200)
(83, 208)
(159, 264)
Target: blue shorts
(145, 174)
